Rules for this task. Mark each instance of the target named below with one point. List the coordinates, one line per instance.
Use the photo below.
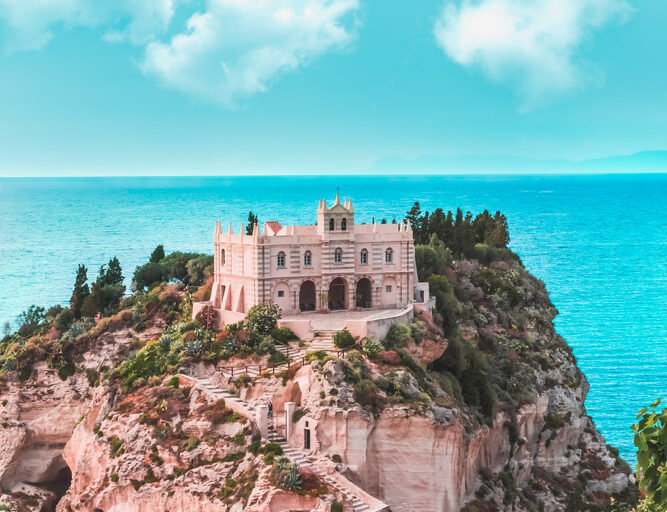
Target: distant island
(644, 161)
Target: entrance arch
(307, 299)
(364, 296)
(338, 294)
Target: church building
(333, 265)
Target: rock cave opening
(58, 485)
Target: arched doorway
(307, 299)
(364, 296)
(338, 294)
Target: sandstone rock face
(415, 463)
(430, 459)
(39, 416)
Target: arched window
(338, 255)
(389, 255)
(281, 259)
(343, 224)
(307, 259)
(223, 258)
(364, 257)
(332, 224)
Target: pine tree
(114, 274)
(158, 254)
(80, 291)
(436, 224)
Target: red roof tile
(274, 226)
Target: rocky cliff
(489, 417)
(477, 407)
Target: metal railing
(256, 370)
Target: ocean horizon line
(416, 175)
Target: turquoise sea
(598, 242)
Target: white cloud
(30, 24)
(236, 48)
(533, 45)
(229, 50)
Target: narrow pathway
(344, 489)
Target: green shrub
(254, 447)
(651, 442)
(30, 320)
(64, 320)
(398, 336)
(93, 377)
(148, 362)
(232, 457)
(283, 335)
(265, 346)
(372, 347)
(262, 318)
(286, 475)
(66, 369)
(242, 381)
(336, 506)
(446, 303)
(471, 368)
(173, 382)
(486, 254)
(366, 393)
(277, 358)
(116, 445)
(343, 339)
(429, 261)
(554, 420)
(274, 448)
(319, 355)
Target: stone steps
(293, 454)
(296, 456)
(322, 342)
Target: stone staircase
(341, 487)
(298, 457)
(290, 351)
(323, 341)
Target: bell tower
(337, 219)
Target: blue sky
(309, 86)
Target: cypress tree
(252, 220)
(158, 254)
(80, 291)
(114, 274)
(413, 217)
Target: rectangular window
(281, 293)
(388, 288)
